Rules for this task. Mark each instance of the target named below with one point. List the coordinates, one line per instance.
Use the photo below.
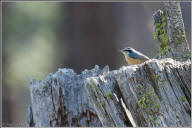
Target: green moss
(155, 35)
(150, 103)
(108, 95)
(183, 98)
(156, 76)
(156, 105)
(94, 86)
(151, 112)
(154, 118)
(102, 103)
(176, 41)
(140, 86)
(180, 32)
(165, 39)
(162, 36)
(188, 54)
(147, 100)
(142, 101)
(168, 48)
(164, 19)
(183, 36)
(164, 24)
(161, 82)
(158, 24)
(176, 58)
(162, 52)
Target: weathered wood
(105, 96)
(170, 32)
(157, 93)
(61, 100)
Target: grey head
(134, 53)
(128, 50)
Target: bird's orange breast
(133, 61)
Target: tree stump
(61, 100)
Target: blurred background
(40, 37)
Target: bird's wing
(138, 55)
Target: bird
(133, 56)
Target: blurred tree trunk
(6, 107)
(170, 32)
(90, 28)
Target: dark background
(40, 37)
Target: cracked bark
(151, 91)
(60, 100)
(155, 93)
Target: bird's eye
(130, 51)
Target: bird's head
(127, 50)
